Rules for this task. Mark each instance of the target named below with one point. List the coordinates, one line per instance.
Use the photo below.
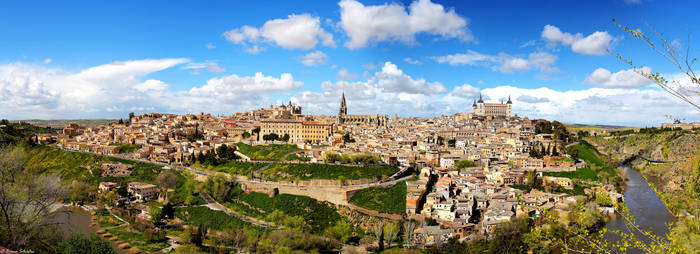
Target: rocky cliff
(665, 158)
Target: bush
(78, 243)
(272, 152)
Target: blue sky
(87, 59)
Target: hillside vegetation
(390, 199)
(667, 179)
(273, 152)
(289, 171)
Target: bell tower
(343, 109)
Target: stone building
(298, 130)
(493, 109)
(142, 191)
(344, 118)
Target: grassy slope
(283, 171)
(219, 220)
(235, 167)
(318, 215)
(383, 199)
(272, 152)
(73, 166)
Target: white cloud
(637, 107)
(412, 61)
(48, 60)
(151, 85)
(621, 79)
(210, 46)
(301, 31)
(314, 58)
(113, 90)
(209, 66)
(466, 91)
(344, 74)
(597, 43)
(392, 79)
(377, 23)
(469, 58)
(502, 62)
(236, 87)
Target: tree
(82, 192)
(166, 179)
(342, 231)
(379, 233)
(461, 164)
(271, 137)
(285, 138)
(197, 236)
(156, 214)
(573, 151)
(508, 237)
(408, 228)
(683, 89)
(391, 230)
(26, 199)
(200, 157)
(348, 139)
(78, 243)
(219, 187)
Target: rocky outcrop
(665, 159)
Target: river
(77, 220)
(648, 210)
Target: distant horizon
(116, 119)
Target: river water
(649, 212)
(76, 220)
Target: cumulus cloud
(314, 58)
(48, 60)
(392, 79)
(237, 87)
(531, 99)
(210, 46)
(597, 43)
(466, 91)
(502, 62)
(635, 107)
(377, 23)
(114, 89)
(297, 31)
(621, 79)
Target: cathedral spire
(343, 106)
(481, 100)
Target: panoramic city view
(349, 126)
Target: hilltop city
(466, 173)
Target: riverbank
(79, 219)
